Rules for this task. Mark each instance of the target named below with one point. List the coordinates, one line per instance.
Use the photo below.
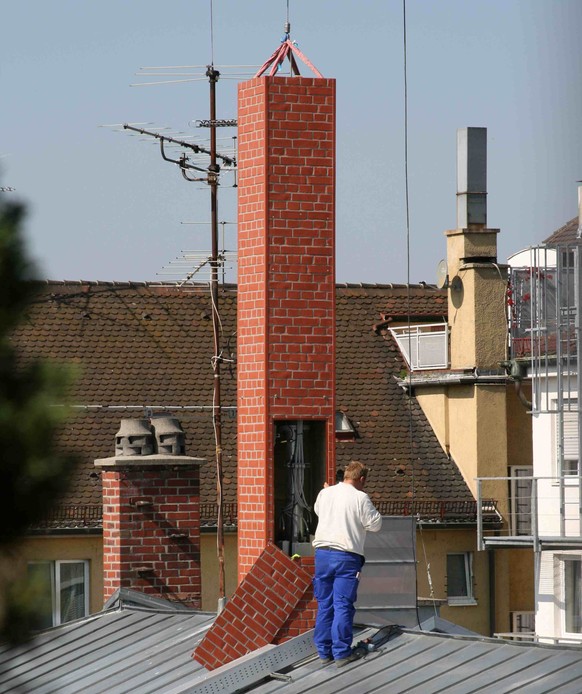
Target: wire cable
(211, 34)
(408, 301)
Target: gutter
(474, 376)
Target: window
(569, 465)
(460, 579)
(61, 590)
(572, 573)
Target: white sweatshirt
(345, 514)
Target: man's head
(356, 473)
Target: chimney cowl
(134, 438)
(169, 436)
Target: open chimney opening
(299, 460)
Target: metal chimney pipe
(471, 177)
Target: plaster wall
(520, 449)
(432, 549)
(209, 564)
(471, 423)
(434, 404)
(473, 243)
(59, 547)
(480, 295)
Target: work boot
(348, 659)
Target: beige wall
(521, 579)
(209, 564)
(54, 547)
(90, 547)
(436, 544)
(514, 571)
(471, 424)
(519, 429)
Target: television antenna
(194, 265)
(199, 163)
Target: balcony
(423, 346)
(544, 513)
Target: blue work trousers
(335, 587)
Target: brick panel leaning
(286, 283)
(255, 614)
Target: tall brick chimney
(151, 515)
(286, 309)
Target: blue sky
(104, 206)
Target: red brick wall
(163, 536)
(302, 618)
(286, 307)
(256, 612)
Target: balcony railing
(424, 346)
(544, 512)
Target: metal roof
(426, 663)
(145, 650)
(132, 649)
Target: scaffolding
(544, 300)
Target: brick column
(286, 283)
(151, 526)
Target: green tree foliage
(33, 473)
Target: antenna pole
(213, 171)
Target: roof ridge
(226, 285)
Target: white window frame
(570, 418)
(56, 585)
(468, 599)
(570, 442)
(563, 559)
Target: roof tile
(148, 346)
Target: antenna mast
(209, 175)
(213, 171)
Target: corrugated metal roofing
(133, 650)
(425, 663)
(143, 651)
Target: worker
(345, 513)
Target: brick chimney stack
(151, 513)
(286, 303)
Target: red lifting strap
(286, 50)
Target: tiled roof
(150, 345)
(394, 436)
(420, 302)
(565, 234)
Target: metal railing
(542, 510)
(424, 346)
